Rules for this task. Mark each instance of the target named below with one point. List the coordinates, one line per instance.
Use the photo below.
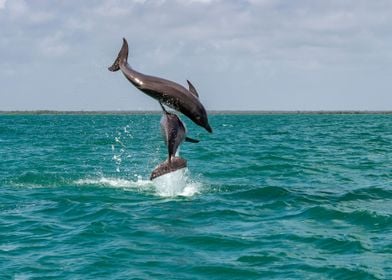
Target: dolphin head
(202, 120)
(206, 125)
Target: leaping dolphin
(167, 92)
(174, 133)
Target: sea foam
(178, 183)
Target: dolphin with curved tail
(174, 133)
(167, 92)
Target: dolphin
(167, 92)
(174, 133)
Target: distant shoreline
(212, 112)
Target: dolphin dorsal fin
(192, 89)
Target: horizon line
(212, 112)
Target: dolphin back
(122, 57)
(166, 167)
(165, 91)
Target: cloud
(53, 45)
(245, 45)
(17, 8)
(2, 4)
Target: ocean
(266, 196)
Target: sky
(240, 55)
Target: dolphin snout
(208, 128)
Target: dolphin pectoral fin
(192, 89)
(163, 107)
(168, 167)
(122, 57)
(191, 140)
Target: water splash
(178, 183)
(115, 182)
(119, 147)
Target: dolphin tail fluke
(122, 57)
(168, 167)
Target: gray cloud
(241, 54)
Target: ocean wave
(289, 197)
(36, 179)
(366, 218)
(338, 244)
(259, 259)
(262, 193)
(366, 194)
(213, 242)
(225, 272)
(221, 213)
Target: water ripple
(282, 197)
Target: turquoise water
(264, 197)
